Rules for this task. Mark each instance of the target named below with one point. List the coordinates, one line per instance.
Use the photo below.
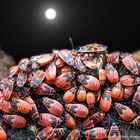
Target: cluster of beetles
(88, 82)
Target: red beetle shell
(21, 105)
(129, 80)
(58, 133)
(93, 120)
(113, 57)
(46, 119)
(79, 65)
(6, 106)
(34, 112)
(15, 120)
(38, 77)
(13, 71)
(94, 47)
(136, 98)
(3, 135)
(53, 106)
(23, 64)
(128, 91)
(65, 69)
(112, 73)
(81, 93)
(73, 135)
(78, 110)
(69, 95)
(51, 71)
(43, 59)
(96, 133)
(59, 63)
(130, 64)
(90, 64)
(117, 91)
(69, 120)
(45, 134)
(44, 89)
(114, 133)
(136, 121)
(51, 82)
(89, 81)
(8, 89)
(124, 112)
(90, 98)
(21, 79)
(64, 80)
(102, 76)
(66, 56)
(106, 101)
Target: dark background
(24, 30)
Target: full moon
(50, 14)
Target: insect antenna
(71, 42)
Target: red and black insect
(37, 78)
(77, 110)
(64, 81)
(66, 56)
(23, 64)
(106, 100)
(65, 69)
(3, 135)
(79, 65)
(95, 133)
(129, 80)
(90, 98)
(21, 105)
(136, 121)
(102, 76)
(136, 98)
(59, 62)
(51, 71)
(34, 111)
(91, 64)
(69, 120)
(43, 59)
(69, 95)
(124, 112)
(44, 89)
(89, 81)
(113, 57)
(94, 120)
(53, 106)
(45, 134)
(6, 106)
(47, 119)
(94, 47)
(114, 133)
(73, 135)
(8, 89)
(130, 64)
(117, 91)
(21, 79)
(128, 91)
(81, 93)
(13, 71)
(15, 120)
(112, 73)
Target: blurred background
(25, 30)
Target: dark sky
(24, 30)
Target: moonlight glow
(50, 14)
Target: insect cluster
(83, 84)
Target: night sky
(25, 31)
